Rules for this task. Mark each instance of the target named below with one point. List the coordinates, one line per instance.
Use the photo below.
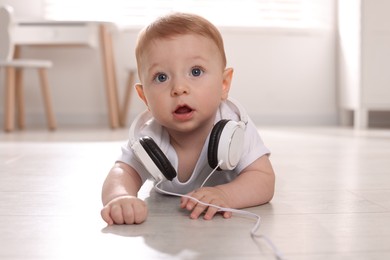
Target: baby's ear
(226, 82)
(140, 91)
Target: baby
(190, 128)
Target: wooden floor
(332, 201)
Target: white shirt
(254, 148)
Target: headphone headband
(240, 109)
(138, 122)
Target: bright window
(245, 13)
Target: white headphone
(225, 147)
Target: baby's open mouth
(183, 110)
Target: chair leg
(20, 98)
(110, 77)
(47, 99)
(126, 104)
(9, 109)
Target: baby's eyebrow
(199, 57)
(153, 67)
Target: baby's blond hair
(176, 24)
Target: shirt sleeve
(253, 149)
(127, 156)
(156, 132)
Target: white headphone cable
(211, 173)
(255, 228)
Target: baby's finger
(211, 211)
(184, 201)
(135, 213)
(140, 214)
(116, 214)
(197, 211)
(227, 214)
(191, 202)
(105, 213)
(128, 214)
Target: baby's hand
(210, 195)
(125, 210)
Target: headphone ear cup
(158, 157)
(226, 144)
(215, 135)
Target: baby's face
(183, 81)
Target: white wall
(282, 77)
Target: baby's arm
(119, 196)
(254, 186)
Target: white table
(75, 33)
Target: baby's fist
(125, 210)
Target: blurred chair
(128, 93)
(14, 94)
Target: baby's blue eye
(196, 72)
(161, 77)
